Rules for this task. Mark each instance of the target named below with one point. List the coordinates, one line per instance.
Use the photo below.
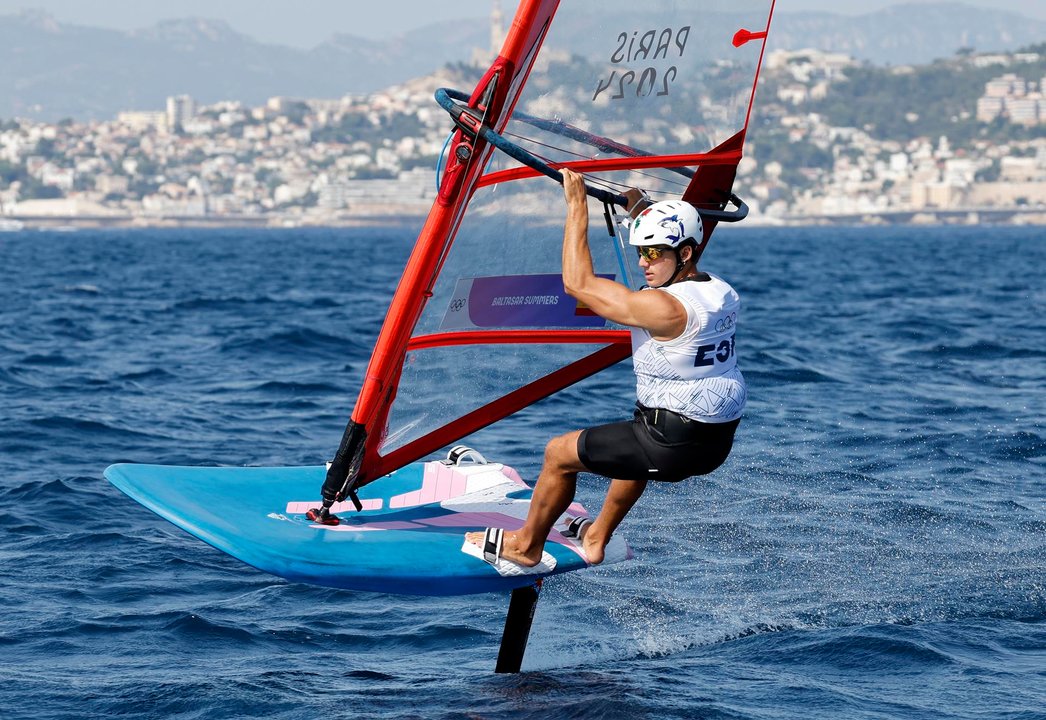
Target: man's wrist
(640, 205)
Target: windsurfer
(690, 391)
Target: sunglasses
(651, 253)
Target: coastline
(86, 222)
(950, 216)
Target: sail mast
(494, 97)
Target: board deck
(407, 540)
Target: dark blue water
(874, 548)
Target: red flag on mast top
(743, 36)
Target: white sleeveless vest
(695, 374)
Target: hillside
(925, 101)
(54, 70)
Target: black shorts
(634, 451)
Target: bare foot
(594, 551)
(591, 544)
(510, 549)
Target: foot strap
(575, 527)
(490, 551)
(493, 539)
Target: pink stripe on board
(494, 519)
(427, 493)
(462, 520)
(459, 485)
(300, 508)
(442, 487)
(402, 501)
(438, 483)
(512, 475)
(475, 520)
(389, 525)
(413, 497)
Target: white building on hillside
(180, 110)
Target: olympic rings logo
(726, 323)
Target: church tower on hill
(484, 56)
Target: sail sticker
(644, 50)
(517, 301)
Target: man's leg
(553, 493)
(621, 496)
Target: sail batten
(518, 337)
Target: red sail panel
(509, 71)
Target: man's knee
(561, 452)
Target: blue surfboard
(409, 538)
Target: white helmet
(671, 223)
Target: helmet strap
(680, 264)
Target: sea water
(875, 547)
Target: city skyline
(317, 20)
(337, 161)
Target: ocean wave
(294, 342)
(59, 425)
(83, 289)
(148, 375)
(871, 650)
(979, 350)
(222, 303)
(52, 359)
(1019, 445)
(296, 389)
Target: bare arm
(657, 312)
(637, 202)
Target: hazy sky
(305, 23)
